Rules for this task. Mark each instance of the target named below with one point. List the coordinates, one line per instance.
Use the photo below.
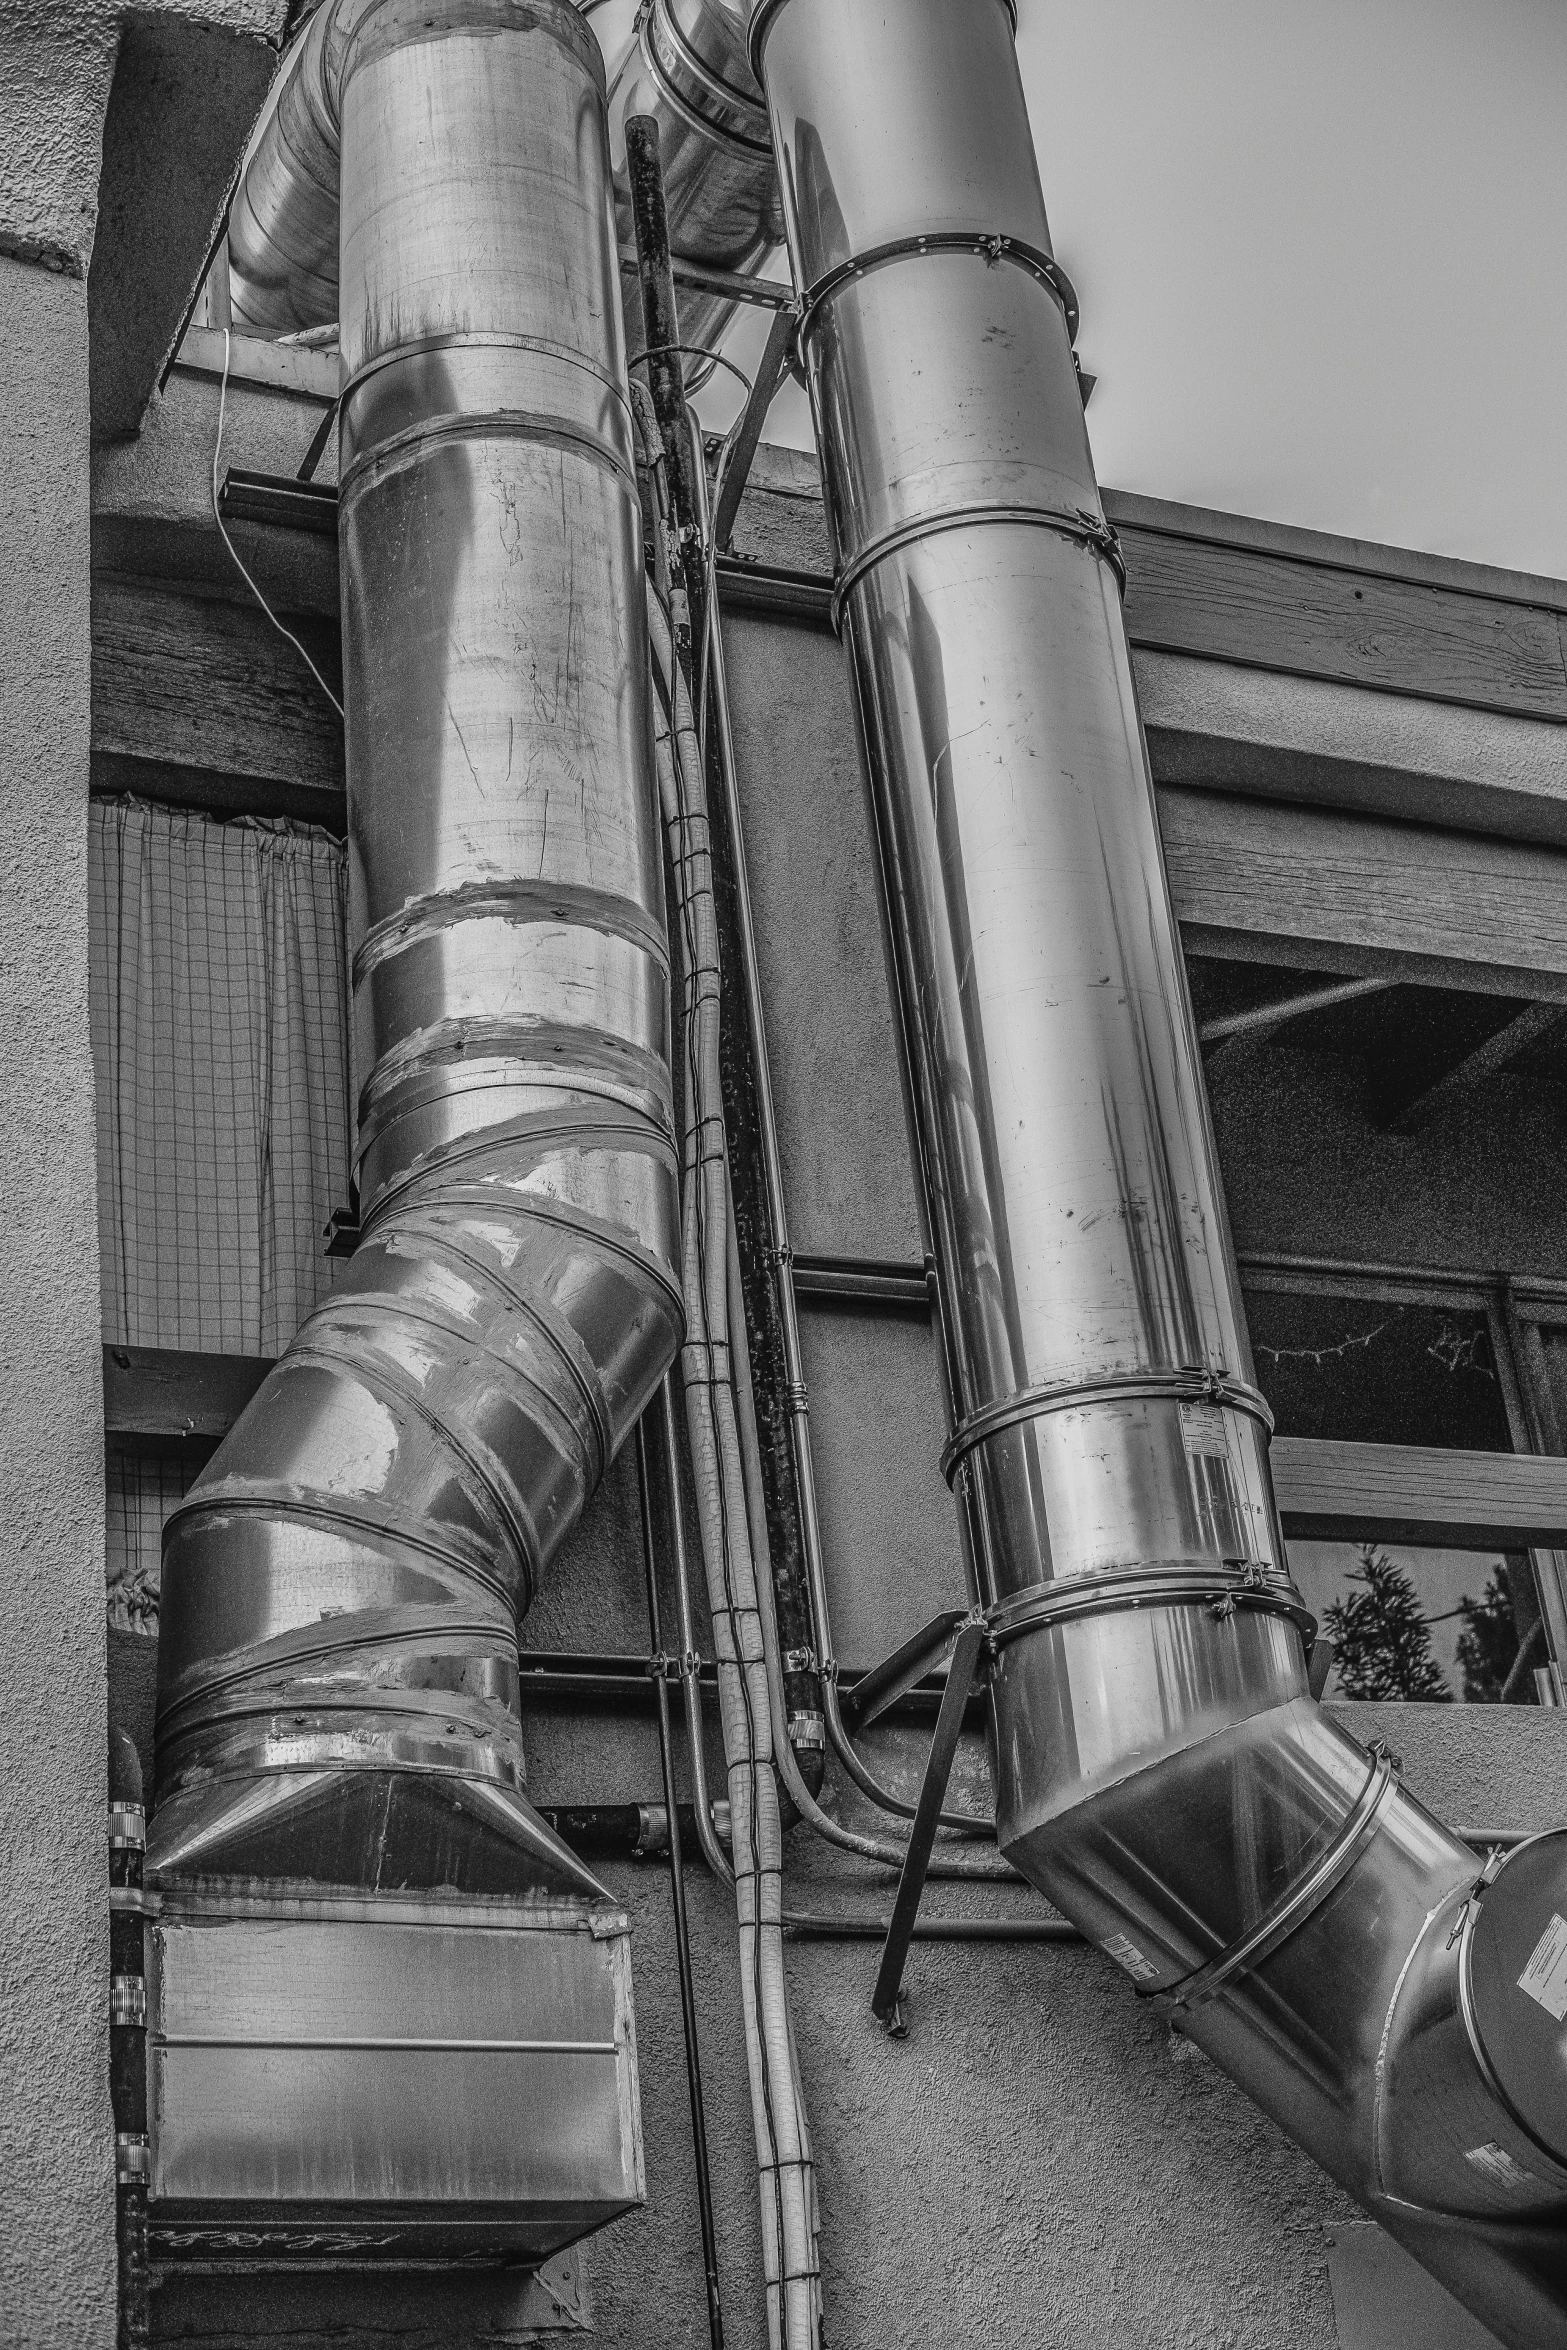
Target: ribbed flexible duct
(341, 1591)
(1162, 1772)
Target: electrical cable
(217, 516)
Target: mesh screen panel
(219, 1031)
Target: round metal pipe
(338, 1681)
(1162, 1772)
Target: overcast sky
(1318, 249)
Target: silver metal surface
(505, 2128)
(1162, 1772)
(686, 66)
(342, 1586)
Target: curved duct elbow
(1162, 1771)
(342, 1586)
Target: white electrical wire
(217, 516)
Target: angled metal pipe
(342, 1586)
(1162, 1771)
(686, 67)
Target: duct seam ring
(1090, 530)
(770, 10)
(988, 245)
(656, 14)
(1308, 1891)
(1036, 1402)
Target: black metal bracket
(748, 433)
(897, 1674)
(967, 1655)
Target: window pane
(1439, 1626)
(1365, 1372)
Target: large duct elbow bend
(1162, 1772)
(342, 1586)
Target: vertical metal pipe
(677, 1894)
(338, 1666)
(1163, 1773)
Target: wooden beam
(197, 684)
(155, 1400)
(1350, 626)
(1321, 888)
(1419, 1494)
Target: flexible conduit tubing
(798, 1396)
(788, 2208)
(1163, 1773)
(342, 1586)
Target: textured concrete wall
(56, 2136)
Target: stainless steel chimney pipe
(1161, 1770)
(685, 65)
(342, 1586)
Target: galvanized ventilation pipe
(342, 1586)
(686, 69)
(1162, 1772)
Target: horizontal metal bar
(765, 293)
(863, 1281)
(823, 1926)
(479, 2047)
(768, 587)
(274, 498)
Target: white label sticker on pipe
(1126, 1954)
(1203, 1430)
(1545, 1976)
(1496, 2164)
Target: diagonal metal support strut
(938, 1770)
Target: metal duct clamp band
(1031, 258)
(1297, 1901)
(1220, 1589)
(657, 17)
(1214, 1387)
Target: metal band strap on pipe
(1033, 1402)
(658, 18)
(990, 249)
(1296, 1904)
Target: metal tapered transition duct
(342, 1586)
(1162, 1772)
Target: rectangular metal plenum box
(400, 2078)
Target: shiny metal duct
(685, 65)
(687, 68)
(342, 1586)
(1161, 1770)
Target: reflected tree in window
(1381, 1638)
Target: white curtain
(219, 1033)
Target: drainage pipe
(338, 1681)
(1163, 1773)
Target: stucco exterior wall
(56, 2135)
